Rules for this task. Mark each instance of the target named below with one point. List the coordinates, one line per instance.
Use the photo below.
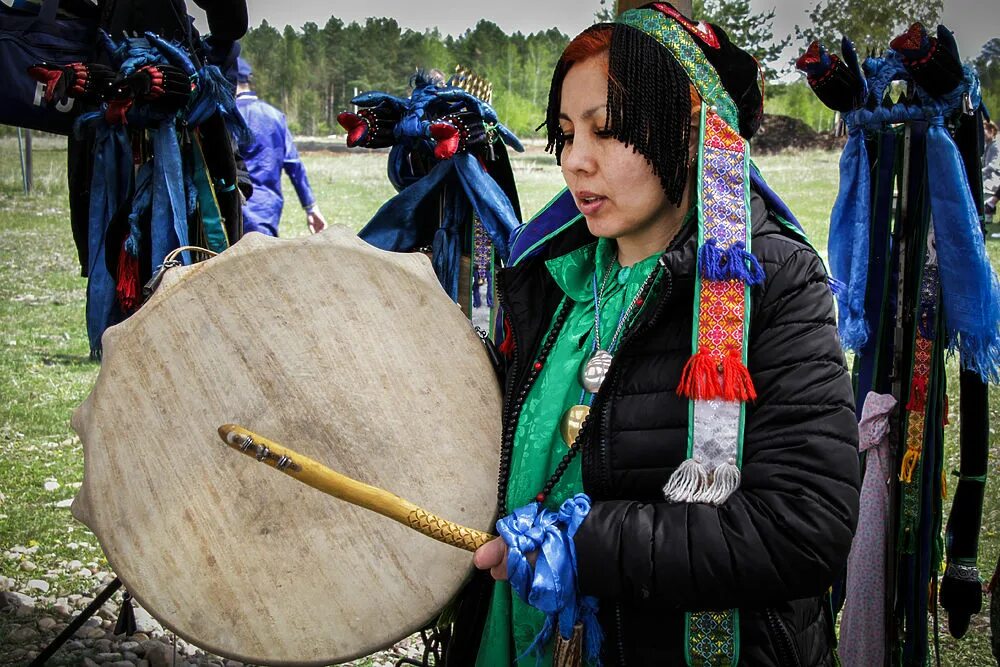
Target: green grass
(45, 372)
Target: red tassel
(115, 113)
(128, 280)
(507, 346)
(737, 385)
(918, 394)
(355, 125)
(448, 139)
(700, 378)
(945, 421)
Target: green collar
(574, 272)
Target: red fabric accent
(356, 126)
(918, 394)
(700, 378)
(812, 56)
(448, 138)
(944, 420)
(911, 40)
(737, 385)
(701, 29)
(116, 111)
(50, 77)
(507, 346)
(127, 287)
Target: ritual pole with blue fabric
(907, 245)
(457, 199)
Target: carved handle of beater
(318, 476)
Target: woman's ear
(694, 138)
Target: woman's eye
(605, 134)
(567, 137)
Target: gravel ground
(32, 615)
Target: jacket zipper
(605, 468)
(783, 640)
(620, 627)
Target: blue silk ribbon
(550, 586)
(848, 245)
(969, 287)
(110, 186)
(396, 226)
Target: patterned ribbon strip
(715, 379)
(910, 472)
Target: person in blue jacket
(272, 150)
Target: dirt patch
(781, 133)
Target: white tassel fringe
(725, 480)
(687, 482)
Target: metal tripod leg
(77, 623)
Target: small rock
(87, 662)
(120, 663)
(74, 598)
(102, 646)
(82, 601)
(63, 504)
(39, 584)
(28, 566)
(158, 655)
(84, 572)
(22, 634)
(74, 645)
(232, 663)
(47, 623)
(142, 663)
(139, 637)
(92, 633)
(63, 609)
(108, 612)
(108, 657)
(92, 623)
(128, 655)
(74, 565)
(12, 600)
(51, 485)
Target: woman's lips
(589, 203)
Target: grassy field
(45, 372)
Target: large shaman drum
(347, 354)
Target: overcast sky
(973, 21)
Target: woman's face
(614, 187)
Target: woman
(715, 437)
(991, 167)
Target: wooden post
(683, 6)
(26, 174)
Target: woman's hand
(492, 556)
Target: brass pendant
(572, 420)
(596, 369)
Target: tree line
(312, 72)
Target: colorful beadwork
(712, 638)
(676, 39)
(910, 472)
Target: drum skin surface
(342, 352)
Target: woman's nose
(579, 157)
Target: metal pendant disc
(572, 420)
(596, 369)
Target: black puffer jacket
(774, 548)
